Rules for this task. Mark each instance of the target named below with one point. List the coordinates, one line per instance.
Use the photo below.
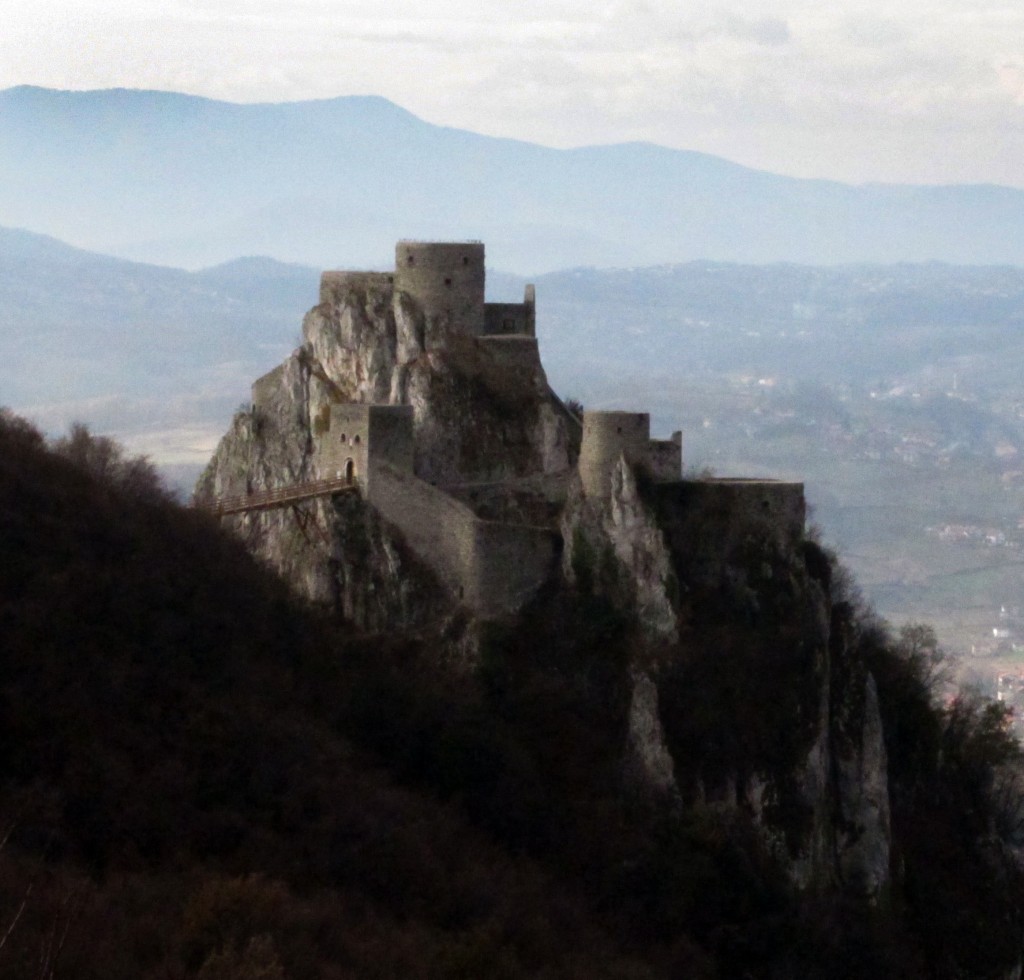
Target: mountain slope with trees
(177, 795)
(200, 777)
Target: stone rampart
(439, 528)
(537, 499)
(512, 353)
(336, 285)
(505, 318)
(446, 279)
(265, 388)
(606, 436)
(512, 318)
(492, 568)
(733, 502)
(509, 563)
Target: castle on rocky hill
(410, 468)
(435, 405)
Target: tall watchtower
(606, 436)
(446, 279)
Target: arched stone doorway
(350, 471)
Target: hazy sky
(920, 91)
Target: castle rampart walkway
(280, 497)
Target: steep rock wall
(763, 705)
(336, 552)
(614, 546)
(482, 409)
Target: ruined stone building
(434, 404)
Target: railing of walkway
(279, 497)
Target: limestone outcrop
(688, 562)
(614, 544)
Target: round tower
(606, 436)
(446, 279)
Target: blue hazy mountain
(187, 181)
(129, 347)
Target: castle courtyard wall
(492, 568)
(507, 318)
(439, 528)
(513, 353)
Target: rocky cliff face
(747, 692)
(482, 411)
(616, 547)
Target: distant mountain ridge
(182, 180)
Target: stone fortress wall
(336, 283)
(778, 503)
(512, 318)
(512, 352)
(490, 567)
(607, 436)
(721, 510)
(439, 528)
(665, 457)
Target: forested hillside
(177, 794)
(201, 778)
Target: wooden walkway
(281, 497)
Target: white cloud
(865, 90)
